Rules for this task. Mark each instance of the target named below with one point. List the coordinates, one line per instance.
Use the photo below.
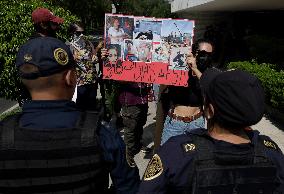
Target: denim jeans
(173, 127)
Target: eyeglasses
(78, 33)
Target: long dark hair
(73, 27)
(195, 46)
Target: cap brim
(207, 77)
(57, 20)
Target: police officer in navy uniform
(51, 147)
(46, 24)
(226, 158)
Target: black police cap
(48, 54)
(237, 96)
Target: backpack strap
(7, 131)
(202, 147)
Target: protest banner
(148, 50)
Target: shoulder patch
(270, 144)
(188, 147)
(154, 168)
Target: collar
(252, 134)
(36, 105)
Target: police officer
(51, 147)
(46, 24)
(226, 158)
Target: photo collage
(149, 40)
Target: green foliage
(272, 80)
(150, 8)
(90, 12)
(16, 28)
(266, 49)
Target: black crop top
(186, 96)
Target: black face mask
(203, 60)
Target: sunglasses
(203, 52)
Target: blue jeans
(173, 127)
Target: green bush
(272, 80)
(16, 28)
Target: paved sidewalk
(7, 105)
(265, 126)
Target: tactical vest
(52, 160)
(220, 171)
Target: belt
(185, 119)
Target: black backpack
(52, 161)
(219, 171)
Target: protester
(224, 158)
(45, 23)
(85, 55)
(52, 147)
(133, 98)
(185, 102)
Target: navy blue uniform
(169, 169)
(62, 114)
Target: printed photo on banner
(160, 52)
(147, 29)
(178, 58)
(177, 32)
(144, 48)
(130, 51)
(118, 28)
(114, 56)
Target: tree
(91, 12)
(150, 8)
(16, 28)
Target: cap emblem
(28, 57)
(61, 56)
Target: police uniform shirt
(64, 114)
(168, 171)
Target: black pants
(86, 96)
(134, 118)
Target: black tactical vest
(52, 160)
(221, 171)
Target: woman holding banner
(185, 111)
